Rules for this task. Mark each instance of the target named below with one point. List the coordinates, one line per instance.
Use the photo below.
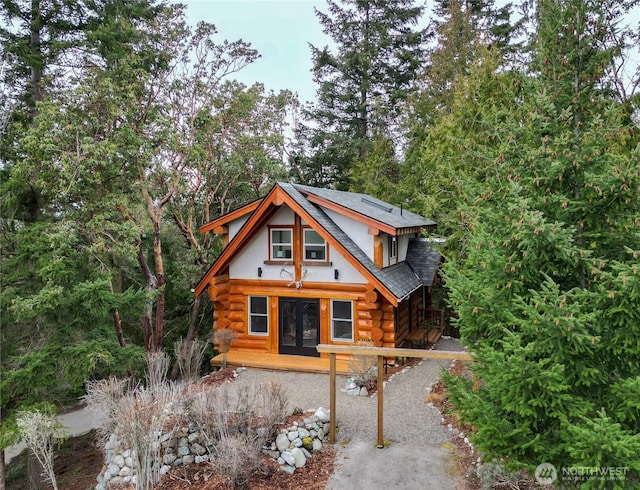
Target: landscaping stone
(302, 433)
(182, 446)
(323, 415)
(288, 457)
(169, 458)
(282, 442)
(299, 458)
(198, 450)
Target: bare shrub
(136, 418)
(189, 356)
(41, 433)
(363, 368)
(223, 339)
(103, 397)
(143, 417)
(200, 408)
(157, 368)
(236, 426)
(237, 456)
(492, 475)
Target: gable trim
(218, 223)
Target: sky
(280, 30)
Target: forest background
(123, 129)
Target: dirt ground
(79, 461)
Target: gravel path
(416, 457)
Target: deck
(280, 362)
(283, 362)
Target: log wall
(374, 317)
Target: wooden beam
(380, 353)
(380, 444)
(223, 220)
(332, 398)
(377, 251)
(393, 352)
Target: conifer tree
(362, 85)
(548, 292)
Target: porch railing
(380, 353)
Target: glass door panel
(299, 327)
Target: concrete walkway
(76, 422)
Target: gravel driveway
(415, 458)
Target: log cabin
(305, 266)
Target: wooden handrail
(363, 350)
(380, 353)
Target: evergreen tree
(548, 291)
(463, 30)
(460, 145)
(362, 86)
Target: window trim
(304, 246)
(250, 316)
(271, 242)
(393, 247)
(333, 319)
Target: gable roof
(423, 259)
(386, 216)
(399, 279)
(395, 282)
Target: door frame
(299, 349)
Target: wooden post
(332, 398)
(380, 401)
(380, 353)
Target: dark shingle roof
(400, 279)
(369, 206)
(423, 259)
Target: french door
(299, 324)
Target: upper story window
(393, 248)
(315, 248)
(281, 243)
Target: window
(258, 315)
(281, 244)
(341, 320)
(315, 248)
(393, 247)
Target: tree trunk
(191, 331)
(36, 51)
(117, 324)
(160, 282)
(2, 470)
(34, 472)
(147, 316)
